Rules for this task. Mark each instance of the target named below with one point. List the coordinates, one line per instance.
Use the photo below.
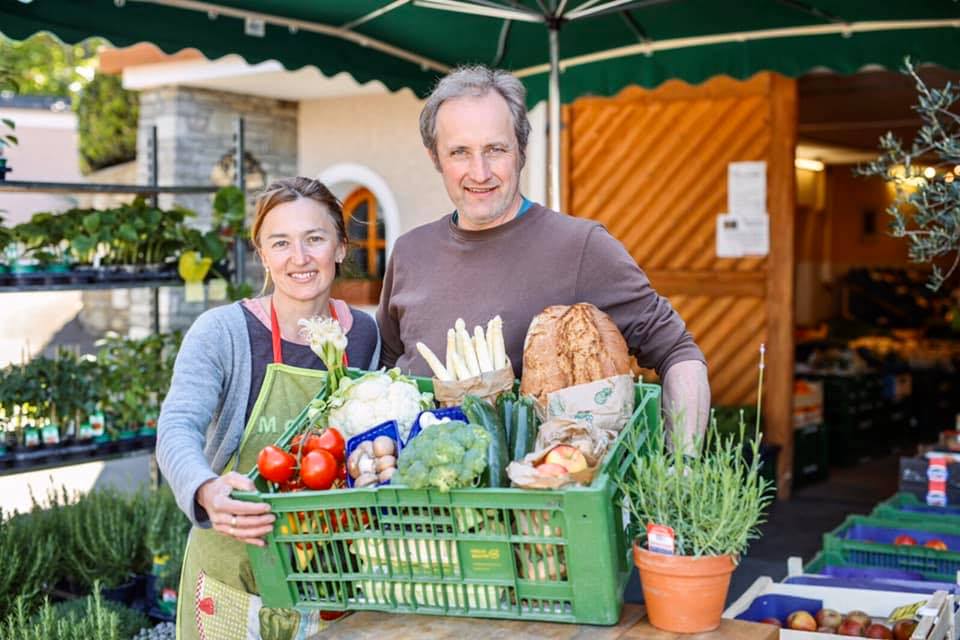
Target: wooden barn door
(652, 167)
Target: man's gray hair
(478, 81)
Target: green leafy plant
(93, 619)
(926, 209)
(714, 501)
(7, 137)
(103, 537)
(107, 123)
(129, 621)
(138, 374)
(166, 539)
(27, 563)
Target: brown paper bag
(605, 404)
(487, 386)
(592, 442)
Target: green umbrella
(561, 49)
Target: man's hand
(246, 521)
(686, 401)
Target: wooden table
(370, 625)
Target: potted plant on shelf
(692, 517)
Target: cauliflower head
(374, 398)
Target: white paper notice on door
(739, 236)
(747, 188)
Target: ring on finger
(233, 521)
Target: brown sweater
(439, 272)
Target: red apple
(829, 618)
(774, 621)
(936, 543)
(860, 616)
(904, 539)
(568, 457)
(877, 630)
(549, 469)
(801, 621)
(850, 627)
(903, 629)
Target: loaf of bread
(566, 346)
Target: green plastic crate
(559, 556)
(933, 564)
(890, 509)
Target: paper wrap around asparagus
(477, 365)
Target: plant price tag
(96, 424)
(51, 434)
(31, 437)
(660, 539)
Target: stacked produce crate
(851, 404)
(898, 568)
(811, 459)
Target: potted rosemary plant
(692, 517)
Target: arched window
(367, 233)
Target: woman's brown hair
(288, 190)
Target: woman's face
(300, 247)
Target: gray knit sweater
(203, 416)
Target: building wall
(831, 240)
(47, 151)
(651, 165)
(381, 133)
(195, 129)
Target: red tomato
(343, 473)
(332, 441)
(318, 470)
(275, 464)
(937, 544)
(313, 443)
(293, 484)
(904, 539)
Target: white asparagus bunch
(469, 356)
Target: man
(499, 253)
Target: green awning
(408, 43)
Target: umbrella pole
(553, 120)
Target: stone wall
(195, 130)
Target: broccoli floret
(451, 455)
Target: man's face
(479, 159)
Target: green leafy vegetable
(453, 456)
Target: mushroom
(384, 446)
(365, 480)
(386, 462)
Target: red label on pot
(660, 539)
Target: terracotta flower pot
(683, 594)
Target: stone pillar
(195, 129)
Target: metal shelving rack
(153, 191)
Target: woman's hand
(246, 521)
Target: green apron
(217, 598)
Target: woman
(239, 368)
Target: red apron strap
(275, 334)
